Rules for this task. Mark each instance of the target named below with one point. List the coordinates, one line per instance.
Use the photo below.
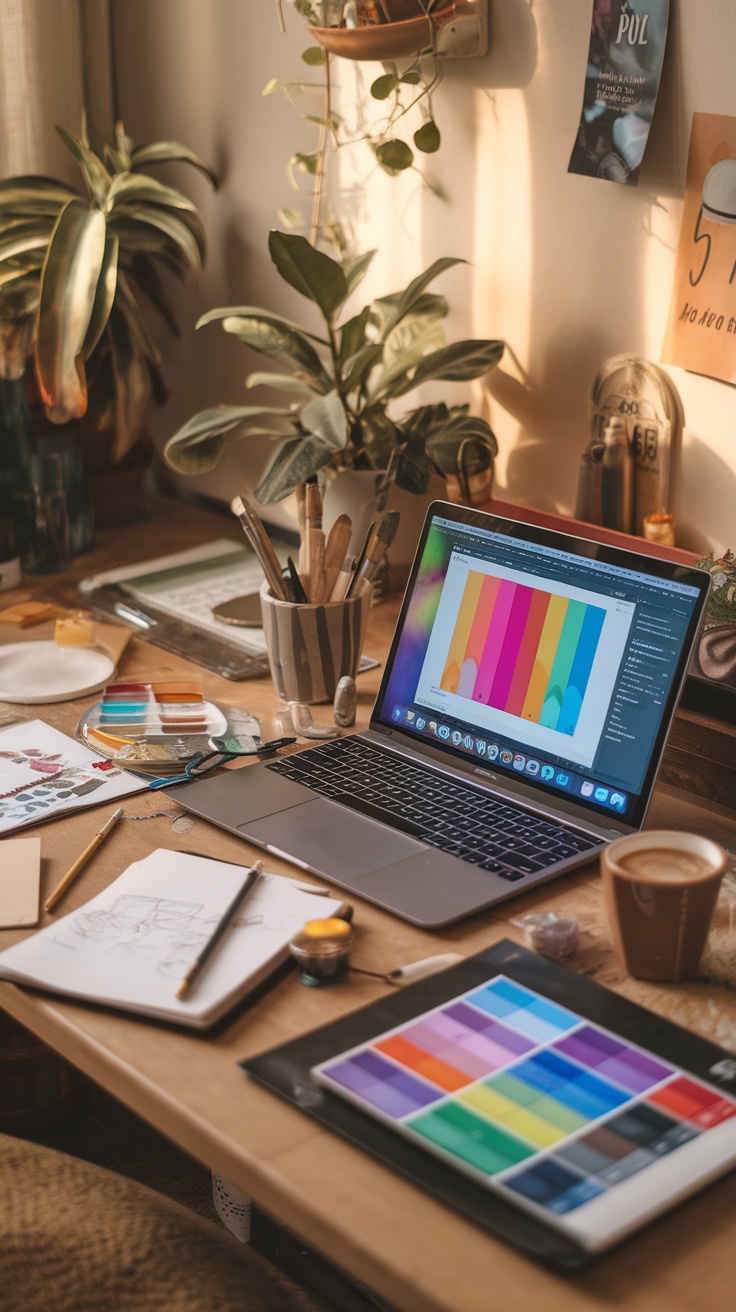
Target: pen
(82, 860)
(249, 883)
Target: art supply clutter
(159, 727)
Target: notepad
(131, 946)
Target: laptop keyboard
(489, 833)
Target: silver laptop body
(531, 682)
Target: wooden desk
(410, 1249)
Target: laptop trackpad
(332, 840)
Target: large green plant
(90, 256)
(341, 383)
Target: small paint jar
(322, 951)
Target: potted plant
(92, 256)
(343, 382)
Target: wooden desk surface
(409, 1248)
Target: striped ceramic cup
(310, 647)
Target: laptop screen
(542, 656)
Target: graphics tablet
(544, 1107)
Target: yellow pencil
(82, 860)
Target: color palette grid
(527, 1096)
(523, 650)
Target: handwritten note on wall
(701, 331)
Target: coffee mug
(661, 888)
(312, 646)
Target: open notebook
(131, 946)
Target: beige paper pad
(20, 879)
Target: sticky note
(20, 881)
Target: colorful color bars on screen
(528, 1094)
(523, 651)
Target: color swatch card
(586, 1130)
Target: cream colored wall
(568, 270)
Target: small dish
(32, 673)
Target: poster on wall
(625, 57)
(701, 331)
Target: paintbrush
(314, 583)
(338, 541)
(301, 520)
(258, 539)
(361, 558)
(375, 551)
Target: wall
(568, 270)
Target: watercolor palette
(153, 726)
(543, 1107)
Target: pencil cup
(311, 647)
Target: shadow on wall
(542, 466)
(700, 467)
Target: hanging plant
(402, 91)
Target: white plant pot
(353, 492)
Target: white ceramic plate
(36, 672)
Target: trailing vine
(401, 89)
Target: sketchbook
(45, 774)
(131, 946)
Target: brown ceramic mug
(661, 888)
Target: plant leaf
(355, 269)
(33, 194)
(171, 152)
(380, 436)
(427, 138)
(361, 367)
(25, 237)
(295, 460)
(352, 335)
(30, 267)
(93, 170)
(198, 445)
(145, 274)
(314, 56)
(272, 86)
(394, 156)
(69, 280)
(414, 338)
(409, 297)
(310, 271)
(444, 446)
(104, 295)
(267, 335)
(384, 311)
(383, 86)
(325, 416)
(137, 186)
(282, 383)
(456, 363)
(159, 221)
(133, 384)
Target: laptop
(524, 708)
